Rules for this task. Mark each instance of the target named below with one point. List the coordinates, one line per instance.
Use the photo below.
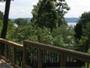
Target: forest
(48, 26)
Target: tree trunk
(5, 26)
(5, 19)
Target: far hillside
(68, 19)
(72, 20)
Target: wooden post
(40, 58)
(62, 61)
(24, 54)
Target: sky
(23, 8)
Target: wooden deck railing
(38, 55)
(10, 52)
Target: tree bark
(5, 19)
(3, 48)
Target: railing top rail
(6, 42)
(75, 54)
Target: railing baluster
(13, 56)
(6, 50)
(88, 65)
(40, 58)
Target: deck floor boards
(4, 64)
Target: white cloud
(22, 8)
(78, 7)
(2, 7)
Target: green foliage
(61, 9)
(20, 21)
(0, 25)
(44, 14)
(82, 30)
(23, 32)
(44, 35)
(61, 36)
(86, 30)
(49, 13)
(47, 26)
(11, 28)
(85, 39)
(1, 15)
(64, 36)
(84, 19)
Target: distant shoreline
(72, 19)
(71, 23)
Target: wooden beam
(10, 43)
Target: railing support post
(24, 54)
(62, 61)
(40, 58)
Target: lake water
(72, 24)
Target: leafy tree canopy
(20, 21)
(84, 19)
(49, 13)
(82, 32)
